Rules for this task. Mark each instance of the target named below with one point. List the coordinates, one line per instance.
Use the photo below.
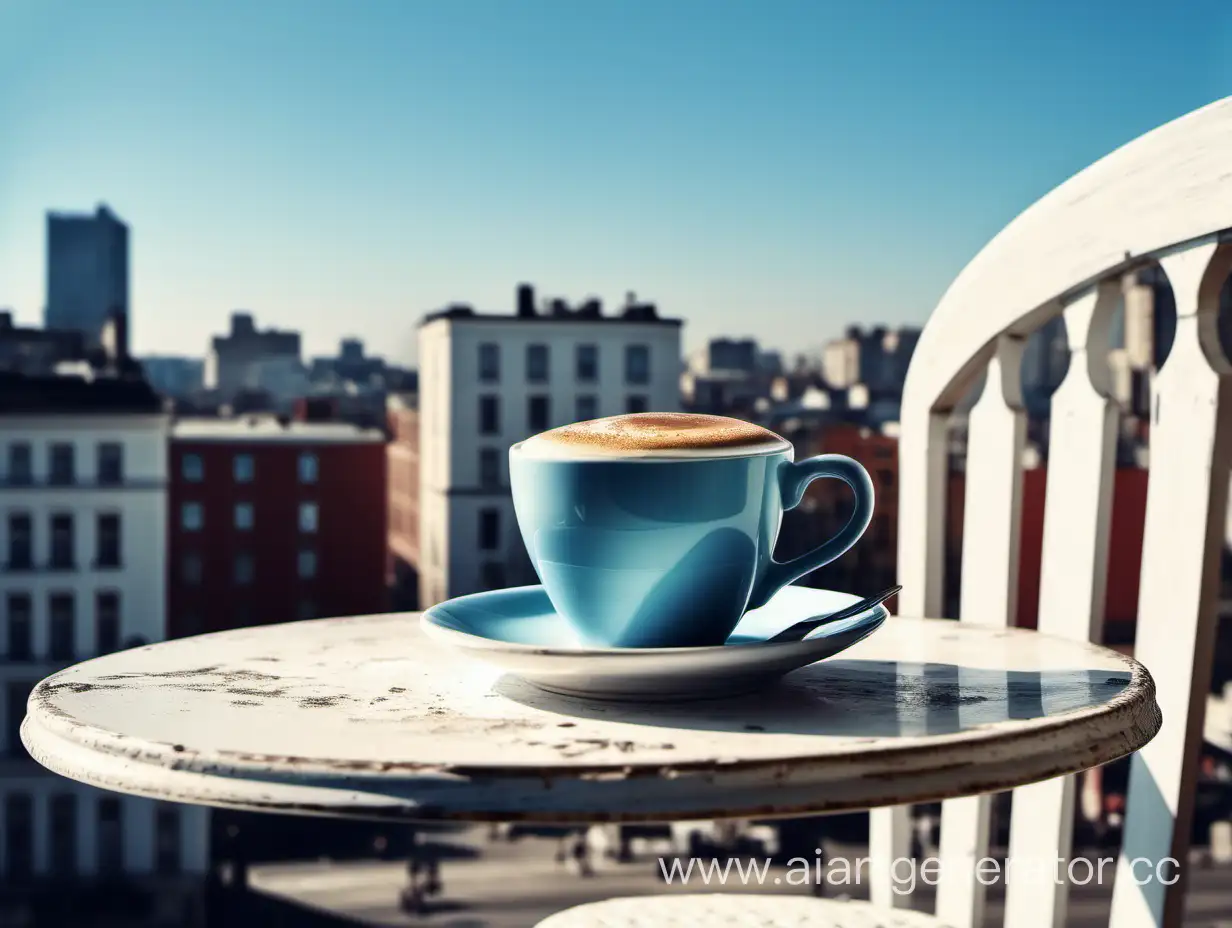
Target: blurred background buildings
(156, 497)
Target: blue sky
(772, 168)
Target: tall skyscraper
(87, 271)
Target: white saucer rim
(429, 622)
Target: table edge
(647, 792)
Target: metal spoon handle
(800, 629)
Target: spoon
(800, 629)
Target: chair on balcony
(1164, 199)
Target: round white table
(364, 717)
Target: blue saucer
(519, 631)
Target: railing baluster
(1077, 515)
(924, 459)
(1185, 511)
(997, 433)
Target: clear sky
(766, 167)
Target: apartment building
(272, 520)
(83, 494)
(489, 380)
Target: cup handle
(793, 478)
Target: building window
(587, 363)
(537, 363)
(492, 575)
(64, 834)
(19, 619)
(537, 416)
(243, 468)
(21, 548)
(243, 569)
(21, 464)
(307, 564)
(107, 621)
(110, 463)
(587, 408)
(19, 836)
(60, 606)
(489, 529)
(489, 467)
(308, 517)
(108, 541)
(636, 404)
(110, 837)
(192, 468)
(167, 840)
(306, 609)
(886, 477)
(63, 471)
(243, 517)
(308, 467)
(489, 415)
(190, 569)
(637, 364)
(62, 553)
(489, 363)
(17, 693)
(192, 517)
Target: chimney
(526, 301)
(6, 318)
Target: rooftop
(24, 394)
(556, 310)
(101, 212)
(467, 314)
(266, 428)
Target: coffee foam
(654, 435)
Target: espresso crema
(655, 434)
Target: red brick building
(402, 573)
(1124, 547)
(872, 563)
(878, 452)
(271, 520)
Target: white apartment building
(83, 494)
(231, 358)
(487, 381)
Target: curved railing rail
(1164, 198)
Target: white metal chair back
(1165, 198)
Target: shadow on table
(859, 699)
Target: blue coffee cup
(661, 552)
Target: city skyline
(343, 173)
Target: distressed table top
(364, 717)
